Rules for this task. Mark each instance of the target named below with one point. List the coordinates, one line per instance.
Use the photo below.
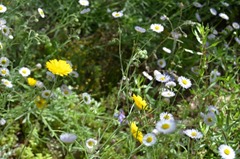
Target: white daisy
(86, 98)
(24, 71)
(161, 63)
(83, 2)
(5, 30)
(41, 13)
(3, 8)
(140, 29)
(168, 93)
(91, 143)
(147, 75)
(7, 83)
(213, 11)
(192, 133)
(68, 137)
(167, 50)
(235, 25)
(4, 62)
(213, 109)
(157, 28)
(170, 84)
(166, 116)
(209, 118)
(85, 10)
(184, 82)
(117, 14)
(149, 139)
(162, 78)
(166, 126)
(226, 152)
(47, 94)
(224, 16)
(4, 72)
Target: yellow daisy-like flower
(139, 102)
(40, 102)
(59, 67)
(137, 134)
(31, 81)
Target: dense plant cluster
(119, 79)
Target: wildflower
(2, 121)
(38, 65)
(68, 137)
(213, 109)
(137, 134)
(91, 143)
(41, 13)
(3, 8)
(31, 81)
(65, 90)
(86, 98)
(50, 76)
(166, 126)
(10, 37)
(147, 75)
(166, 116)
(168, 94)
(209, 118)
(184, 82)
(120, 115)
(213, 11)
(226, 152)
(224, 16)
(139, 102)
(40, 102)
(5, 30)
(225, 4)
(192, 133)
(170, 84)
(157, 28)
(162, 78)
(235, 25)
(140, 29)
(7, 83)
(85, 10)
(149, 139)
(24, 71)
(59, 67)
(117, 14)
(167, 50)
(4, 62)
(4, 72)
(198, 5)
(161, 63)
(83, 2)
(47, 94)
(213, 75)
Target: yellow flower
(31, 81)
(40, 102)
(137, 134)
(59, 67)
(139, 102)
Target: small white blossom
(193, 133)
(149, 139)
(68, 137)
(162, 78)
(168, 94)
(170, 84)
(91, 143)
(3, 8)
(86, 98)
(166, 126)
(147, 75)
(166, 116)
(157, 28)
(24, 71)
(140, 29)
(224, 16)
(7, 83)
(161, 63)
(184, 82)
(117, 14)
(41, 13)
(226, 152)
(4, 72)
(2, 121)
(213, 11)
(167, 50)
(84, 11)
(83, 2)
(235, 25)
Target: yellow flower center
(157, 27)
(209, 119)
(149, 139)
(184, 81)
(90, 143)
(227, 151)
(165, 126)
(117, 14)
(4, 62)
(162, 78)
(194, 133)
(1, 8)
(24, 71)
(3, 72)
